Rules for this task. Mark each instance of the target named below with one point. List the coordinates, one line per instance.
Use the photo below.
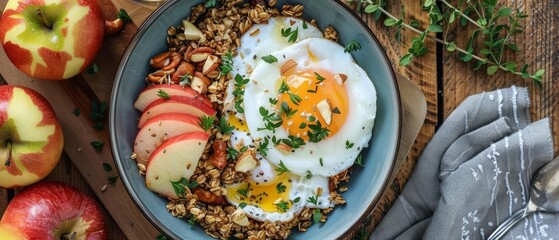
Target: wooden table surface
(444, 79)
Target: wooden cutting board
(79, 92)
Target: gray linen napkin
(474, 173)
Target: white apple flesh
(161, 128)
(54, 211)
(150, 95)
(173, 160)
(176, 104)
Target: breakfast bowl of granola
(255, 119)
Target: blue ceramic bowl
(366, 183)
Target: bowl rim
(112, 121)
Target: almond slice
(288, 67)
(199, 57)
(239, 217)
(325, 109)
(191, 32)
(246, 162)
(212, 62)
(199, 83)
(284, 148)
(340, 78)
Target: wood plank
(78, 131)
(423, 73)
(539, 49)
(3, 201)
(66, 172)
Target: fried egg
(321, 73)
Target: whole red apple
(31, 139)
(8, 232)
(54, 211)
(54, 39)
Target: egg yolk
(272, 196)
(237, 123)
(300, 95)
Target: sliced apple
(161, 128)
(191, 32)
(173, 160)
(150, 95)
(176, 104)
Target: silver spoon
(544, 196)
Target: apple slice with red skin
(173, 160)
(9, 232)
(52, 40)
(151, 94)
(54, 211)
(176, 104)
(160, 128)
(31, 139)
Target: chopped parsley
(97, 145)
(244, 191)
(107, 167)
(112, 179)
(297, 199)
(317, 215)
(291, 35)
(224, 126)
(226, 63)
(185, 80)
(352, 46)
(286, 110)
(263, 148)
(305, 26)
(295, 99)
(270, 59)
(282, 206)
(242, 205)
(233, 153)
(293, 141)
(163, 94)
(359, 160)
(239, 92)
(317, 132)
(309, 174)
(271, 120)
(76, 112)
(313, 200)
(280, 188)
(283, 88)
(180, 185)
(93, 69)
(122, 14)
(281, 169)
(336, 110)
(303, 125)
(348, 144)
(273, 101)
(206, 122)
(192, 220)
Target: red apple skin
(27, 168)
(84, 38)
(150, 94)
(182, 102)
(8, 232)
(39, 210)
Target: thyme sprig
(495, 25)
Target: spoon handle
(508, 224)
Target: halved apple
(173, 160)
(150, 95)
(161, 128)
(176, 104)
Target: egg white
(358, 125)
(269, 39)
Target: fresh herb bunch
(495, 25)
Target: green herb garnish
(76, 112)
(317, 132)
(352, 46)
(282, 206)
(112, 179)
(309, 174)
(281, 169)
(348, 145)
(270, 59)
(226, 63)
(107, 167)
(163, 94)
(122, 14)
(93, 69)
(295, 99)
(283, 87)
(180, 185)
(359, 160)
(242, 205)
(239, 92)
(291, 35)
(244, 191)
(224, 126)
(286, 110)
(263, 147)
(280, 188)
(97, 146)
(206, 122)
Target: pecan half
(219, 156)
(208, 197)
(112, 27)
(183, 69)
